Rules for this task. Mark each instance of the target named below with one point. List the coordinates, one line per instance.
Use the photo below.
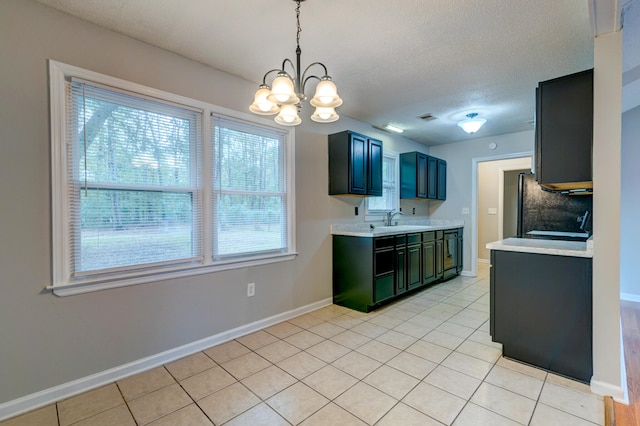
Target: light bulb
(261, 105)
(289, 113)
(326, 94)
(283, 91)
(324, 115)
(288, 116)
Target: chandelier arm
(306, 70)
(304, 82)
(295, 71)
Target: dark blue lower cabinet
(541, 311)
(369, 272)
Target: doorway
(491, 209)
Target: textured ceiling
(391, 61)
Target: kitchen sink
(401, 228)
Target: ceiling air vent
(428, 117)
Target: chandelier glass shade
(285, 95)
(472, 124)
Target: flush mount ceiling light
(393, 128)
(286, 93)
(472, 124)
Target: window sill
(100, 284)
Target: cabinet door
(428, 262)
(564, 129)
(439, 258)
(421, 176)
(442, 180)
(383, 288)
(413, 265)
(432, 178)
(359, 148)
(375, 167)
(401, 277)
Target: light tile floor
(427, 360)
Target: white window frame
(378, 215)
(63, 284)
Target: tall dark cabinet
(564, 132)
(355, 164)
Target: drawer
(383, 262)
(401, 240)
(414, 238)
(384, 242)
(428, 236)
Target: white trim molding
(57, 393)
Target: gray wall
(46, 340)
(630, 205)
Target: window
(249, 189)
(149, 185)
(389, 199)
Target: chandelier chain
(298, 22)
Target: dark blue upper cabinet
(355, 164)
(375, 167)
(422, 176)
(432, 178)
(442, 180)
(564, 132)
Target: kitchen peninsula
(373, 265)
(541, 303)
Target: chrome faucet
(390, 215)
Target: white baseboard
(465, 273)
(84, 384)
(483, 260)
(631, 297)
(607, 389)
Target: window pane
(387, 201)
(248, 162)
(250, 199)
(250, 223)
(133, 191)
(132, 144)
(124, 228)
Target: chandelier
(286, 93)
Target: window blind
(387, 201)
(250, 200)
(133, 190)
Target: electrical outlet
(465, 210)
(251, 289)
(414, 210)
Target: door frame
(474, 199)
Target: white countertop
(539, 246)
(405, 227)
